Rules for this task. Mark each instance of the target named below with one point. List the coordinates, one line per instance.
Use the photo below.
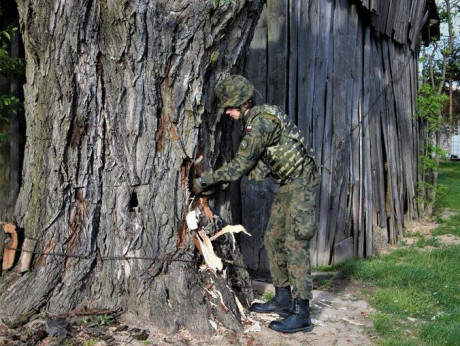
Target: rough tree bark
(118, 102)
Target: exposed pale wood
(9, 252)
(27, 249)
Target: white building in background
(450, 142)
(455, 145)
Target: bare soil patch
(339, 315)
(415, 229)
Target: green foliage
(104, 320)
(101, 320)
(430, 104)
(11, 69)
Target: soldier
(272, 145)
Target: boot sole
(281, 313)
(306, 329)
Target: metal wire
(105, 258)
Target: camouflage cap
(233, 91)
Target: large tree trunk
(11, 149)
(118, 102)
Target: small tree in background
(430, 103)
(440, 73)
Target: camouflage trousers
(291, 225)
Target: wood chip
(230, 229)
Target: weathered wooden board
(351, 80)
(277, 17)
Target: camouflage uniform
(273, 146)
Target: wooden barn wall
(348, 77)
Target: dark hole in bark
(133, 202)
(167, 294)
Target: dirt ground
(339, 315)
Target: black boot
(281, 304)
(299, 321)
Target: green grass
(417, 291)
(327, 268)
(417, 294)
(449, 180)
(448, 226)
(449, 199)
(268, 296)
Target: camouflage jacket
(258, 153)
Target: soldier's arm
(258, 135)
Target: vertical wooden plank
(342, 86)
(368, 82)
(401, 34)
(256, 197)
(309, 44)
(256, 61)
(413, 79)
(389, 16)
(277, 15)
(322, 110)
(398, 63)
(420, 17)
(355, 43)
(293, 62)
(392, 146)
(378, 154)
(373, 6)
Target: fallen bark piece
(25, 259)
(230, 229)
(9, 252)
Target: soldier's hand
(198, 185)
